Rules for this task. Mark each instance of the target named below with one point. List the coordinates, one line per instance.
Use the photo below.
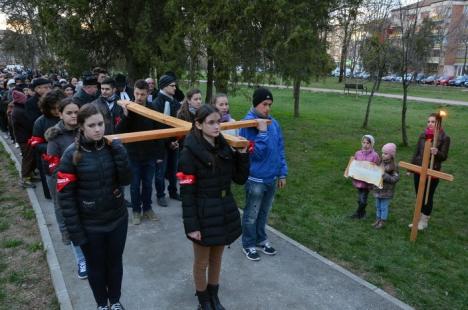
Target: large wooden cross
(179, 127)
(424, 171)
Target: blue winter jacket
(267, 160)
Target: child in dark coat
(384, 195)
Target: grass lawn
(429, 91)
(25, 281)
(313, 209)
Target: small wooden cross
(180, 127)
(423, 172)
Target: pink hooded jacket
(371, 156)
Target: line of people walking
(85, 176)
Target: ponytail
(77, 153)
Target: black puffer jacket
(208, 205)
(443, 146)
(89, 193)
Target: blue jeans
(381, 205)
(78, 253)
(258, 202)
(142, 178)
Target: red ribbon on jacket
(63, 179)
(33, 141)
(52, 160)
(185, 179)
(117, 120)
(251, 146)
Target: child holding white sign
(366, 153)
(390, 178)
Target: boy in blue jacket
(268, 170)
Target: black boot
(204, 302)
(215, 303)
(360, 211)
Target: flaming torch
(435, 139)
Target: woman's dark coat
(207, 203)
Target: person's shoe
(150, 215)
(380, 225)
(17, 145)
(82, 270)
(376, 223)
(251, 254)
(103, 308)
(175, 196)
(136, 219)
(204, 302)
(423, 222)
(26, 183)
(213, 292)
(66, 238)
(117, 306)
(162, 201)
(267, 249)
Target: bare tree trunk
(344, 52)
(209, 76)
(404, 134)
(369, 102)
(296, 94)
(464, 62)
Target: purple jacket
(371, 156)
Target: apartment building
(450, 33)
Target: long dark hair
(85, 112)
(184, 112)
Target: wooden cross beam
(423, 172)
(181, 127)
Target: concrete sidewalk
(158, 271)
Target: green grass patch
(11, 243)
(27, 213)
(4, 225)
(17, 277)
(314, 207)
(427, 91)
(34, 247)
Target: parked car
(443, 80)
(459, 81)
(389, 78)
(365, 75)
(420, 77)
(429, 80)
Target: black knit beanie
(165, 80)
(261, 94)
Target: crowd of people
(59, 126)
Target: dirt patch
(25, 281)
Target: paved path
(158, 263)
(410, 98)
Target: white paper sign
(365, 171)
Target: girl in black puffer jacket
(89, 181)
(207, 167)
